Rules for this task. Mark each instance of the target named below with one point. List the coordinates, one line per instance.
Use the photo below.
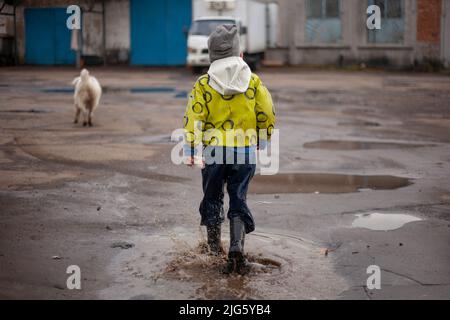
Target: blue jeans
(237, 178)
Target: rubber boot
(236, 260)
(214, 242)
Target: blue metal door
(47, 39)
(179, 17)
(157, 36)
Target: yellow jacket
(210, 117)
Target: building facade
(153, 33)
(335, 31)
(136, 32)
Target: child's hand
(194, 161)
(189, 161)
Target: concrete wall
(426, 35)
(7, 22)
(6, 37)
(421, 35)
(92, 24)
(117, 41)
(445, 33)
(93, 31)
(117, 15)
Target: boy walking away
(228, 101)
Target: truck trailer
(251, 18)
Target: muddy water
(115, 89)
(323, 183)
(152, 89)
(177, 266)
(359, 123)
(58, 90)
(358, 145)
(382, 221)
(25, 111)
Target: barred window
(392, 22)
(323, 23)
(381, 4)
(323, 9)
(394, 9)
(332, 9)
(389, 8)
(314, 9)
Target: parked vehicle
(250, 16)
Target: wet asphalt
(363, 181)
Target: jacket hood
(229, 76)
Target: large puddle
(175, 265)
(25, 111)
(323, 183)
(152, 89)
(178, 94)
(382, 221)
(358, 145)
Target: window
(323, 24)
(380, 3)
(323, 9)
(394, 9)
(389, 8)
(315, 9)
(332, 9)
(392, 22)
(206, 27)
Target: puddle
(175, 265)
(154, 139)
(358, 145)
(323, 183)
(152, 89)
(181, 95)
(177, 94)
(25, 111)
(196, 264)
(382, 221)
(27, 180)
(359, 123)
(58, 90)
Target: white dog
(87, 96)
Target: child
(226, 110)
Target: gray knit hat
(224, 42)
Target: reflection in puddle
(162, 138)
(361, 123)
(358, 145)
(152, 89)
(323, 183)
(58, 90)
(382, 221)
(182, 94)
(26, 111)
(115, 89)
